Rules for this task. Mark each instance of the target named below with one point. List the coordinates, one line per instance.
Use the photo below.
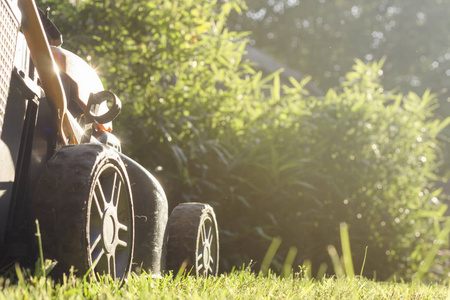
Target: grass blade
(43, 266)
(276, 242)
(287, 267)
(322, 271)
(364, 262)
(307, 269)
(346, 251)
(338, 270)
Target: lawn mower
(98, 211)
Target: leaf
(179, 154)
(276, 89)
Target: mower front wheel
(85, 210)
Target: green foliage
(322, 39)
(272, 160)
(361, 155)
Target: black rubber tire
(78, 228)
(193, 240)
(151, 216)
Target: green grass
(237, 285)
(242, 284)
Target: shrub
(360, 155)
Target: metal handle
(46, 67)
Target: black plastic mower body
(29, 138)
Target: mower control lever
(97, 99)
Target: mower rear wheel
(85, 211)
(193, 240)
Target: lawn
(236, 285)
(239, 284)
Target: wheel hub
(109, 230)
